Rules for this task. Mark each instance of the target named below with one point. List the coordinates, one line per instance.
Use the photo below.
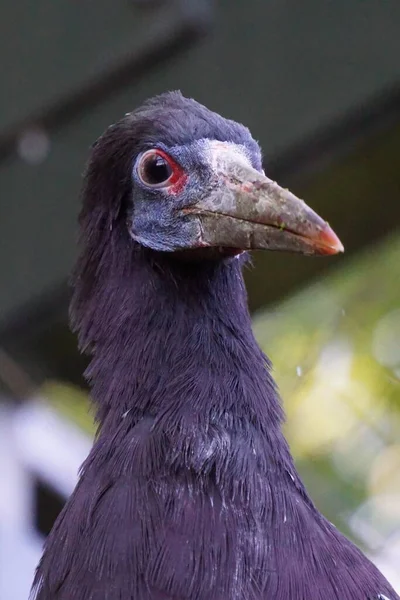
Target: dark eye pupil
(156, 170)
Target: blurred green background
(318, 83)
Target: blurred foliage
(358, 192)
(335, 348)
(71, 402)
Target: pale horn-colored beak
(248, 211)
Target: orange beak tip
(328, 241)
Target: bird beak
(248, 211)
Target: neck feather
(178, 335)
(173, 342)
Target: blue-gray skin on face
(215, 198)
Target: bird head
(190, 182)
(208, 197)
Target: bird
(190, 491)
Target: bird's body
(190, 491)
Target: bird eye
(155, 169)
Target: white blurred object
(36, 443)
(33, 145)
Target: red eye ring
(156, 170)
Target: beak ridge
(247, 210)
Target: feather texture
(190, 491)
